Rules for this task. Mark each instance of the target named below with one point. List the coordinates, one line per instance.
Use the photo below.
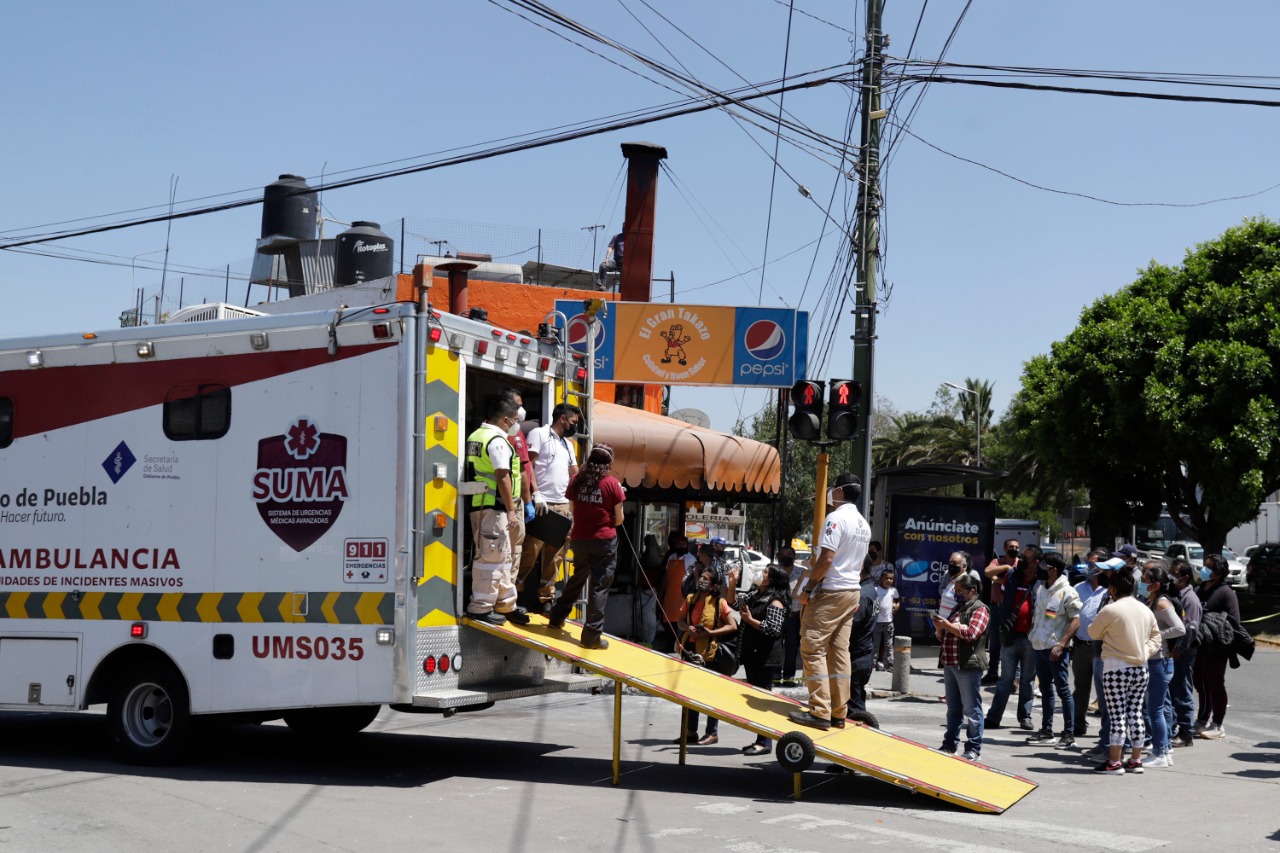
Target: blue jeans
(1053, 677)
(1181, 691)
(964, 706)
(1016, 659)
(1159, 674)
(1104, 730)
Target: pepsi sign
(765, 347)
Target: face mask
(1012, 552)
(1042, 575)
(787, 562)
(513, 429)
(1205, 573)
(520, 414)
(1142, 589)
(570, 429)
(704, 585)
(682, 551)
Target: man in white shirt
(830, 601)
(553, 454)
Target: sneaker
(1159, 761)
(1108, 768)
(519, 616)
(1184, 738)
(949, 750)
(804, 718)
(988, 724)
(1211, 732)
(490, 618)
(988, 680)
(1035, 691)
(1099, 750)
(1027, 725)
(1042, 736)
(1132, 766)
(970, 755)
(1200, 724)
(1067, 741)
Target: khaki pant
(491, 581)
(824, 650)
(536, 553)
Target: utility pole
(867, 236)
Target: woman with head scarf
(597, 499)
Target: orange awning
(655, 451)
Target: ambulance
(257, 514)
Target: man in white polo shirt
(554, 457)
(830, 601)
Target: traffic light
(842, 420)
(806, 421)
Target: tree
(1168, 392)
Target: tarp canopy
(653, 451)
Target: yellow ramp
(870, 751)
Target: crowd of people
(1150, 643)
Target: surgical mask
(1012, 552)
(1205, 573)
(1142, 589)
(1042, 574)
(521, 414)
(704, 585)
(513, 429)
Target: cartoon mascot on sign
(675, 344)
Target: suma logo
(300, 483)
(765, 340)
(579, 328)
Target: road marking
(1061, 835)
(675, 830)
(928, 842)
(721, 808)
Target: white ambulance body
(261, 516)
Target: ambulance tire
(331, 722)
(795, 752)
(149, 711)
(865, 717)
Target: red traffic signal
(806, 419)
(842, 420)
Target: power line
(777, 141)
(1078, 90)
(715, 103)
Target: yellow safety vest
(482, 466)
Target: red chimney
(457, 271)
(637, 228)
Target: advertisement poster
(923, 534)
(659, 343)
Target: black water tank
(289, 209)
(364, 253)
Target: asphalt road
(533, 775)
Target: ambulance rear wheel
(149, 711)
(331, 722)
(795, 752)
(865, 717)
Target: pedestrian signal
(843, 401)
(806, 420)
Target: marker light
(383, 330)
(138, 630)
(434, 334)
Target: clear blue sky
(107, 101)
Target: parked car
(1193, 553)
(1248, 552)
(753, 564)
(1237, 570)
(1264, 568)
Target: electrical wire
(1114, 93)
(777, 141)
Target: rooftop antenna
(164, 270)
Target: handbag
(726, 660)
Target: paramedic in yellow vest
(496, 515)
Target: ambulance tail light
(429, 665)
(580, 374)
(138, 631)
(544, 363)
(482, 347)
(381, 331)
(435, 334)
(444, 664)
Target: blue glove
(529, 512)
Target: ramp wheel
(864, 717)
(795, 752)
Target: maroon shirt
(593, 512)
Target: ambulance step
(481, 694)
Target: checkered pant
(1124, 691)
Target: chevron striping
(16, 605)
(247, 609)
(443, 366)
(437, 619)
(167, 607)
(206, 609)
(89, 608)
(336, 608)
(127, 606)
